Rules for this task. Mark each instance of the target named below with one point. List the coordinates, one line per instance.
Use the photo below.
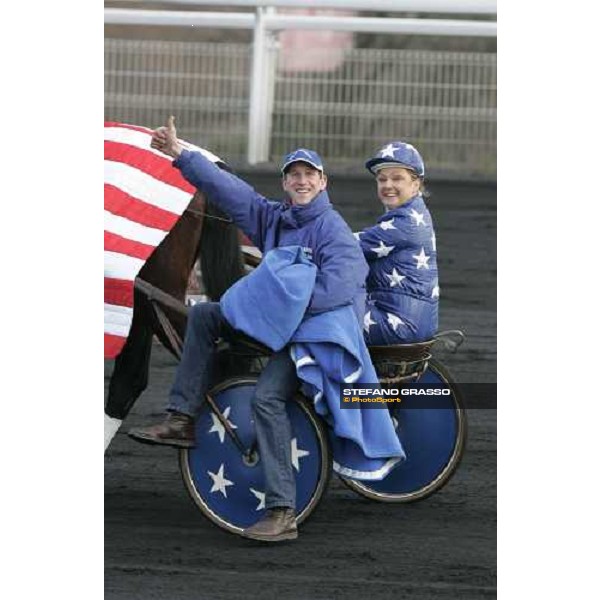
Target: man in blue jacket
(307, 219)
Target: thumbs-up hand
(165, 139)
(171, 125)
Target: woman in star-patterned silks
(402, 285)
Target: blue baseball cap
(398, 154)
(302, 155)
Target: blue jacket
(328, 350)
(317, 228)
(402, 285)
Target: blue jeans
(419, 321)
(276, 385)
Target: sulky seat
(400, 363)
(408, 352)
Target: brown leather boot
(176, 430)
(277, 525)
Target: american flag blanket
(144, 196)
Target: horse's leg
(130, 375)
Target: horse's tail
(221, 258)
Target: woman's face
(395, 186)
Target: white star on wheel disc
(394, 321)
(261, 498)
(367, 322)
(218, 427)
(394, 277)
(385, 225)
(422, 259)
(219, 482)
(297, 454)
(383, 250)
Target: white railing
(124, 16)
(461, 120)
(479, 7)
(277, 22)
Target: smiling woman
(396, 185)
(402, 286)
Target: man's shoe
(176, 430)
(277, 525)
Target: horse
(203, 232)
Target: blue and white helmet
(400, 154)
(302, 155)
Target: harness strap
(172, 335)
(198, 213)
(156, 297)
(155, 294)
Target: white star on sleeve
(385, 225)
(356, 234)
(218, 427)
(394, 321)
(261, 498)
(422, 259)
(436, 291)
(418, 217)
(219, 482)
(368, 322)
(388, 151)
(383, 250)
(297, 454)
(395, 277)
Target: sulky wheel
(433, 439)
(228, 485)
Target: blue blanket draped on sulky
(329, 352)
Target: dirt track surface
(158, 545)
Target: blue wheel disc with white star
(434, 440)
(227, 486)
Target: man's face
(395, 185)
(303, 182)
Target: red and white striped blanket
(144, 196)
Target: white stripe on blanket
(140, 139)
(305, 360)
(121, 266)
(353, 376)
(140, 185)
(133, 231)
(117, 319)
(366, 475)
